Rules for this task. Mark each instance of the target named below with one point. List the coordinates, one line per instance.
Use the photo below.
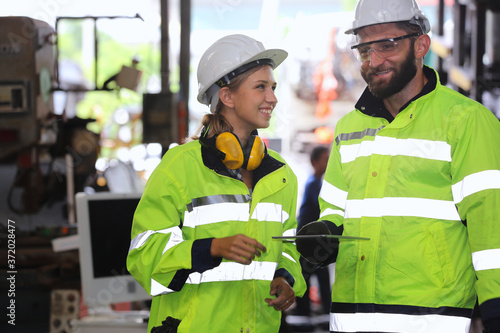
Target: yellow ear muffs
(230, 145)
(256, 151)
(234, 155)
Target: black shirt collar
(374, 107)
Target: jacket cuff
(201, 260)
(490, 315)
(284, 273)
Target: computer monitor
(104, 221)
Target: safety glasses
(384, 48)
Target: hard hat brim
(354, 30)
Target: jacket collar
(374, 107)
(211, 161)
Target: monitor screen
(104, 222)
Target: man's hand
(319, 251)
(239, 248)
(285, 294)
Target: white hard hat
(223, 59)
(370, 12)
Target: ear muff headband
(205, 143)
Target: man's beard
(403, 74)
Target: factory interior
(91, 99)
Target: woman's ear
(225, 97)
(422, 46)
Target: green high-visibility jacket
(425, 188)
(191, 198)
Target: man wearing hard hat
(416, 169)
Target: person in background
(309, 212)
(324, 81)
(416, 169)
(309, 208)
(202, 233)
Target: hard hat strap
(418, 21)
(226, 79)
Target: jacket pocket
(443, 252)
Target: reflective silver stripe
(330, 211)
(476, 182)
(232, 271)
(382, 145)
(209, 214)
(298, 320)
(216, 199)
(417, 207)
(333, 195)
(230, 211)
(226, 271)
(159, 289)
(290, 232)
(357, 135)
(486, 259)
(286, 255)
(268, 211)
(175, 238)
(387, 322)
(141, 238)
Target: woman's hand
(285, 293)
(239, 248)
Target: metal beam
(164, 47)
(185, 61)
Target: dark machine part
(159, 119)
(26, 72)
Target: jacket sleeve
(475, 170)
(159, 258)
(289, 265)
(333, 194)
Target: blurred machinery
(44, 149)
(41, 143)
(26, 101)
(30, 129)
(160, 123)
(469, 57)
(27, 68)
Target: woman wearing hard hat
(202, 235)
(415, 168)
